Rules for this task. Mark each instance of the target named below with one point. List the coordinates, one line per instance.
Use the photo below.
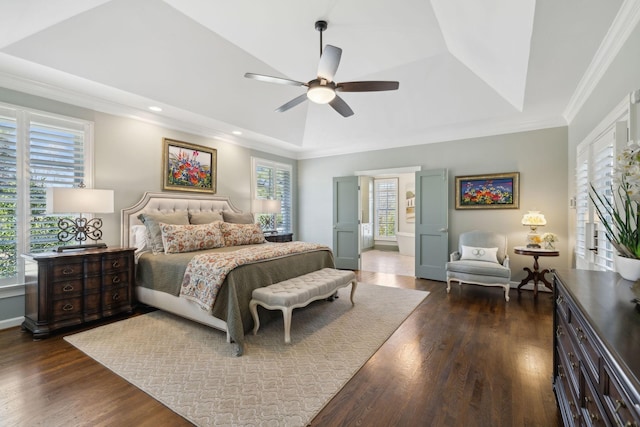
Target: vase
(549, 245)
(628, 268)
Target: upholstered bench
(299, 292)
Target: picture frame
(188, 167)
(489, 191)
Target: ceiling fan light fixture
(321, 94)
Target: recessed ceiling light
(154, 108)
(236, 132)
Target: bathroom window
(386, 208)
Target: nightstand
(71, 288)
(279, 237)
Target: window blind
(37, 151)
(386, 207)
(273, 181)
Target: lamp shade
(271, 206)
(534, 218)
(62, 200)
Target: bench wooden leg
(354, 283)
(253, 308)
(286, 314)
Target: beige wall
(540, 157)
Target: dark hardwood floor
(463, 359)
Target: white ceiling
(465, 67)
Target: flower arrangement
(550, 237)
(618, 213)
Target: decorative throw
(206, 272)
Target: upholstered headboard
(170, 202)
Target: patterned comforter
(206, 272)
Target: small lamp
(79, 200)
(533, 219)
(268, 206)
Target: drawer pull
(115, 279)
(115, 264)
(630, 424)
(67, 307)
(67, 288)
(594, 417)
(619, 404)
(559, 332)
(560, 299)
(67, 270)
(115, 297)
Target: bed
(159, 275)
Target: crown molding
(623, 25)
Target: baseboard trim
(11, 323)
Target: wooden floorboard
(466, 358)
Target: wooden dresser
(70, 288)
(596, 375)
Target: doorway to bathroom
(387, 225)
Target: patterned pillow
(479, 254)
(241, 234)
(152, 221)
(193, 237)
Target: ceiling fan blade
(367, 86)
(329, 62)
(341, 107)
(270, 79)
(289, 105)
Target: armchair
(481, 259)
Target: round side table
(536, 274)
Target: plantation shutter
(386, 207)
(602, 180)
(36, 151)
(273, 181)
(582, 205)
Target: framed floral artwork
(493, 191)
(188, 167)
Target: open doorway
(388, 220)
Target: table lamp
(79, 200)
(533, 219)
(268, 206)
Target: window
(273, 181)
(36, 151)
(595, 166)
(386, 208)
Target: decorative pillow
(193, 237)
(241, 234)
(479, 254)
(205, 217)
(152, 222)
(238, 218)
(139, 238)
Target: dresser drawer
(616, 401)
(115, 263)
(115, 296)
(562, 306)
(586, 344)
(67, 289)
(593, 413)
(568, 355)
(68, 307)
(568, 396)
(67, 270)
(116, 279)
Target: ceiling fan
(322, 89)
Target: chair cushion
(480, 268)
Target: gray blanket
(164, 272)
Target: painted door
(346, 235)
(432, 222)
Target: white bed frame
(166, 203)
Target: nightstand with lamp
(271, 208)
(77, 283)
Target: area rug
(190, 368)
